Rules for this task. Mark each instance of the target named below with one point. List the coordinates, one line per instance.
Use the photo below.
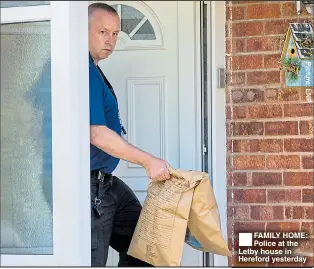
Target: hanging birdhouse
(297, 58)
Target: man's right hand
(157, 169)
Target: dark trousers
(121, 210)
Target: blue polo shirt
(103, 111)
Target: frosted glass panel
(146, 32)
(22, 3)
(130, 19)
(26, 167)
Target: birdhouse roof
(303, 36)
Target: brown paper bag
(163, 224)
(159, 235)
(204, 231)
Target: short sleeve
(96, 110)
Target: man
(115, 207)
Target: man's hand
(157, 169)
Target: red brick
(308, 227)
(235, 13)
(299, 212)
(245, 62)
(308, 162)
(277, 27)
(263, 11)
(283, 226)
(298, 178)
(230, 243)
(228, 94)
(229, 196)
(266, 145)
(228, 112)
(307, 94)
(235, 45)
(229, 145)
(271, 94)
(228, 46)
(241, 145)
(241, 29)
(264, 111)
(259, 44)
(228, 163)
(266, 179)
(243, 2)
(249, 196)
(307, 196)
(299, 145)
(308, 212)
(271, 61)
(283, 195)
(305, 246)
(263, 77)
(228, 29)
(247, 128)
(239, 179)
(228, 12)
(306, 127)
(230, 262)
(239, 112)
(228, 62)
(281, 128)
(235, 79)
(298, 110)
(289, 9)
(283, 162)
(241, 212)
(247, 95)
(294, 212)
(249, 227)
(288, 94)
(267, 212)
(248, 162)
(309, 261)
(228, 129)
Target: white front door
(45, 205)
(145, 74)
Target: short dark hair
(103, 6)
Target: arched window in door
(134, 23)
(140, 28)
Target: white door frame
(217, 131)
(190, 92)
(70, 117)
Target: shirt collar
(91, 61)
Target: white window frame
(124, 41)
(70, 131)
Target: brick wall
(269, 127)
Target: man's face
(104, 28)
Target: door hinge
(204, 149)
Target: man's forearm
(111, 143)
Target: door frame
(190, 91)
(70, 117)
(216, 125)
